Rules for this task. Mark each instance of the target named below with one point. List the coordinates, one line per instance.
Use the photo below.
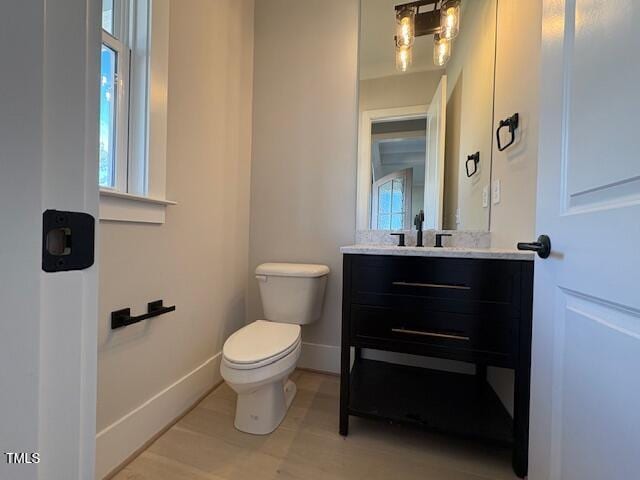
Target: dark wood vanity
(475, 310)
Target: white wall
(470, 78)
(517, 90)
(304, 149)
(452, 156)
(403, 90)
(150, 372)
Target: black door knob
(542, 247)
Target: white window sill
(125, 207)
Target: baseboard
(116, 443)
(320, 358)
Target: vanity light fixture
(441, 50)
(405, 36)
(405, 27)
(441, 19)
(450, 19)
(404, 57)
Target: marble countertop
(450, 252)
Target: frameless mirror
(426, 113)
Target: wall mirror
(426, 93)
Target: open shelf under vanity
(435, 400)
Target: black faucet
(400, 239)
(418, 221)
(439, 239)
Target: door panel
(596, 435)
(597, 75)
(586, 334)
(599, 39)
(434, 171)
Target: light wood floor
(204, 445)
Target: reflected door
(434, 171)
(391, 201)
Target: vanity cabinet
(475, 310)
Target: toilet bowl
(258, 359)
(260, 375)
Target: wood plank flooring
(204, 445)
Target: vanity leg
(344, 390)
(520, 458)
(522, 391)
(481, 379)
(345, 345)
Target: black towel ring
(512, 123)
(475, 160)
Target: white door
(48, 160)
(434, 171)
(391, 201)
(585, 410)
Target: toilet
(258, 359)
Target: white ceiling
(396, 151)
(377, 50)
(402, 146)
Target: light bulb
(441, 50)
(403, 58)
(450, 19)
(405, 27)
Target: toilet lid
(261, 342)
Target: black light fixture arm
(427, 23)
(416, 4)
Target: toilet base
(261, 411)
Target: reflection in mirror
(397, 166)
(425, 137)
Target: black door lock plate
(68, 240)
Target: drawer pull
(432, 285)
(431, 334)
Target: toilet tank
(292, 292)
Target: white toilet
(258, 358)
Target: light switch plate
(495, 193)
(485, 196)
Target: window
(108, 97)
(115, 60)
(391, 201)
(132, 144)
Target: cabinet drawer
(444, 284)
(375, 326)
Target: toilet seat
(260, 343)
